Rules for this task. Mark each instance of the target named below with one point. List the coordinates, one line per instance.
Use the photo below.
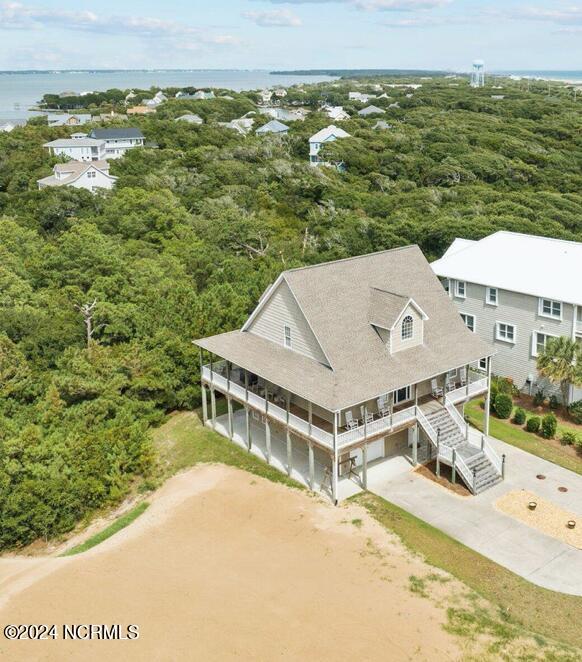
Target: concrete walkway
(475, 522)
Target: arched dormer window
(407, 327)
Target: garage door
(375, 450)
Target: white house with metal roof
(78, 147)
(517, 291)
(351, 362)
(118, 141)
(91, 176)
(371, 110)
(319, 139)
(274, 126)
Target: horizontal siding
(283, 310)
(513, 360)
(397, 343)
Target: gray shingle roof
(274, 126)
(116, 134)
(336, 299)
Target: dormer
(397, 319)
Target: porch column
(391, 407)
(204, 403)
(289, 442)
(487, 399)
(230, 421)
(248, 428)
(365, 466)
(310, 416)
(415, 444)
(311, 467)
(467, 384)
(267, 425)
(334, 463)
(416, 395)
(454, 468)
(213, 407)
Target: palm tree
(561, 363)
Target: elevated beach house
(118, 141)
(90, 175)
(348, 363)
(516, 291)
(78, 147)
(319, 139)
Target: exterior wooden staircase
(478, 465)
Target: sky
(291, 34)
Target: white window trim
(457, 283)
(534, 344)
(408, 397)
(474, 329)
(481, 366)
(290, 345)
(507, 340)
(488, 296)
(551, 317)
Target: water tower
(478, 74)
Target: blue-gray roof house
(274, 126)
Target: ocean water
(574, 76)
(19, 91)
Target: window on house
(549, 308)
(469, 321)
(407, 327)
(461, 289)
(505, 332)
(483, 364)
(540, 340)
(491, 296)
(402, 395)
(447, 285)
(287, 336)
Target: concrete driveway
(476, 523)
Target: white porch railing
(384, 424)
(470, 390)
(490, 453)
(459, 420)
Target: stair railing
(457, 418)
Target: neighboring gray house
(517, 291)
(91, 176)
(370, 110)
(65, 119)
(350, 362)
(274, 126)
(382, 125)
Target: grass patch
(522, 604)
(183, 442)
(111, 530)
(520, 438)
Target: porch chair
(437, 391)
(463, 376)
(450, 384)
(351, 422)
(368, 417)
(383, 408)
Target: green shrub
(554, 402)
(549, 426)
(533, 424)
(503, 405)
(539, 398)
(575, 411)
(493, 391)
(568, 438)
(519, 416)
(503, 385)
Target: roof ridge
(532, 236)
(349, 259)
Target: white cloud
(567, 15)
(274, 18)
(400, 5)
(17, 16)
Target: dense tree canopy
(194, 231)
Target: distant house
(371, 110)
(78, 147)
(158, 99)
(265, 97)
(316, 142)
(78, 174)
(108, 117)
(6, 126)
(141, 110)
(192, 119)
(336, 113)
(280, 92)
(283, 114)
(118, 141)
(202, 95)
(241, 125)
(64, 119)
(274, 126)
(359, 96)
(381, 124)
